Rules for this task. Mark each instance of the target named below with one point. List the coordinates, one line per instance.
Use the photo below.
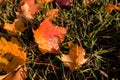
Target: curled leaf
(11, 56)
(17, 27)
(48, 37)
(29, 8)
(63, 3)
(75, 58)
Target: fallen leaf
(52, 13)
(1, 2)
(15, 40)
(19, 74)
(1, 25)
(29, 8)
(3, 60)
(44, 1)
(17, 27)
(110, 7)
(48, 37)
(11, 56)
(63, 3)
(75, 58)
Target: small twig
(89, 59)
(29, 48)
(116, 2)
(41, 63)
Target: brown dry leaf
(1, 2)
(48, 37)
(110, 7)
(17, 27)
(75, 58)
(14, 40)
(1, 25)
(29, 8)
(63, 4)
(11, 56)
(19, 74)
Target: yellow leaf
(15, 28)
(12, 54)
(75, 58)
(48, 37)
(3, 61)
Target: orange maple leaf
(48, 36)
(15, 28)
(110, 7)
(12, 54)
(75, 58)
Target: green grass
(97, 30)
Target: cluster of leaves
(44, 38)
